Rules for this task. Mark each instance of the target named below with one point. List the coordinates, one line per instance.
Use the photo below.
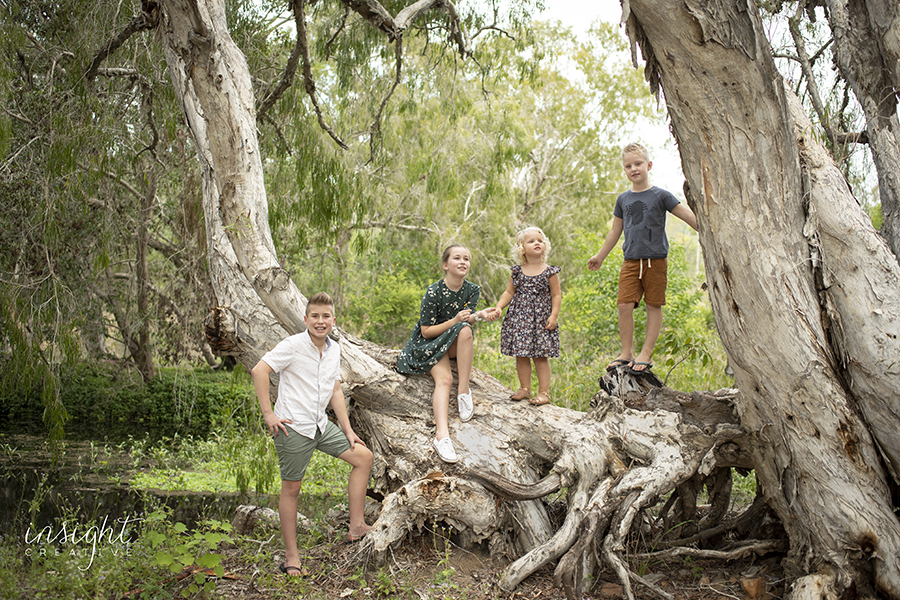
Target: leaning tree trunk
(805, 293)
(259, 304)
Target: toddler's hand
(492, 313)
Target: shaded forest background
(103, 250)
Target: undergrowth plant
(178, 549)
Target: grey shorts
(295, 450)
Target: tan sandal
(541, 399)
(521, 394)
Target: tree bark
(775, 266)
(144, 355)
(213, 86)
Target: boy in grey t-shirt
(641, 214)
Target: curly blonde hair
(518, 248)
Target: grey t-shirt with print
(644, 217)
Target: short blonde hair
(635, 148)
(518, 249)
(320, 299)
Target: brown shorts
(645, 277)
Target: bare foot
(357, 533)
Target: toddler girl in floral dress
(529, 331)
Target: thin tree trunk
(867, 52)
(144, 354)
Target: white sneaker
(466, 406)
(445, 450)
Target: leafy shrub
(387, 313)
(108, 401)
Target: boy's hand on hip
(273, 422)
(354, 440)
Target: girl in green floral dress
(444, 331)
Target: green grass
(698, 367)
(187, 464)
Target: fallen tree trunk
(615, 462)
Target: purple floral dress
(523, 332)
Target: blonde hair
(635, 148)
(518, 249)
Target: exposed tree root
(742, 550)
(615, 463)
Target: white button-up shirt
(306, 381)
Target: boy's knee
(367, 457)
(359, 456)
(291, 488)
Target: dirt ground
(423, 568)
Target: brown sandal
(521, 394)
(540, 399)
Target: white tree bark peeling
(859, 283)
(786, 346)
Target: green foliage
(386, 313)
(876, 215)
(177, 548)
(384, 584)
(443, 578)
(743, 488)
(106, 401)
(470, 152)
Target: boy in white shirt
(309, 364)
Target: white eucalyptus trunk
(212, 83)
(805, 293)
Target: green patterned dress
(439, 304)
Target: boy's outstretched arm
(612, 238)
(684, 212)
